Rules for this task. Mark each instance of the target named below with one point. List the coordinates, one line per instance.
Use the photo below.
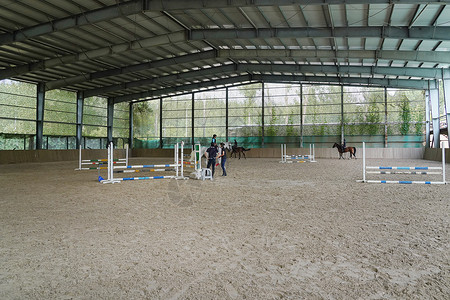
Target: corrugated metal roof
(145, 48)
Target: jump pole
(404, 170)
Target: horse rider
(214, 140)
(344, 145)
(235, 144)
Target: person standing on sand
(211, 153)
(224, 158)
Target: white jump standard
(177, 166)
(403, 170)
(100, 161)
(297, 158)
(199, 172)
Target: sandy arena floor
(266, 231)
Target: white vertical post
(111, 161)
(182, 157)
(108, 162)
(282, 160)
(446, 89)
(427, 118)
(175, 150)
(313, 153)
(196, 162)
(434, 98)
(110, 166)
(126, 155)
(79, 164)
(285, 152)
(443, 163)
(364, 162)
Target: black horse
(238, 150)
(342, 150)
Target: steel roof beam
(206, 72)
(419, 56)
(428, 73)
(430, 56)
(56, 84)
(392, 71)
(440, 33)
(159, 40)
(397, 83)
(137, 6)
(182, 88)
(389, 83)
(161, 5)
(98, 15)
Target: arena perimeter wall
(27, 156)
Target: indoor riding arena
(120, 118)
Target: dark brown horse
(238, 150)
(342, 150)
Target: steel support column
(427, 118)
(131, 126)
(262, 114)
(446, 87)
(226, 114)
(385, 119)
(110, 119)
(342, 115)
(79, 133)
(301, 115)
(40, 103)
(193, 120)
(160, 122)
(434, 98)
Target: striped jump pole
(142, 178)
(144, 166)
(144, 170)
(177, 166)
(188, 164)
(403, 170)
